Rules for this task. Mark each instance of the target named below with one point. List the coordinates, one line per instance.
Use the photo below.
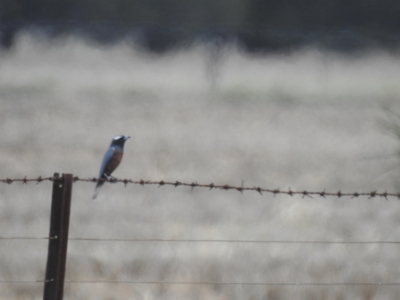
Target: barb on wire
(226, 187)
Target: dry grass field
(308, 121)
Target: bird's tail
(97, 189)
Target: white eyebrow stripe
(117, 137)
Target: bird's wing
(106, 159)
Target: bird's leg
(110, 178)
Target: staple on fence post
(58, 242)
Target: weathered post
(58, 242)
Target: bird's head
(119, 140)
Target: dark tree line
(259, 25)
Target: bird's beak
(127, 137)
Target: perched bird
(111, 160)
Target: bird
(111, 160)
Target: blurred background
(260, 93)
(258, 25)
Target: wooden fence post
(58, 242)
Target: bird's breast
(113, 162)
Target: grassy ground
(305, 121)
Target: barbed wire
(26, 281)
(355, 284)
(228, 241)
(226, 187)
(22, 281)
(193, 185)
(237, 283)
(26, 238)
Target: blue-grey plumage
(111, 160)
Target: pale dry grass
(304, 121)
